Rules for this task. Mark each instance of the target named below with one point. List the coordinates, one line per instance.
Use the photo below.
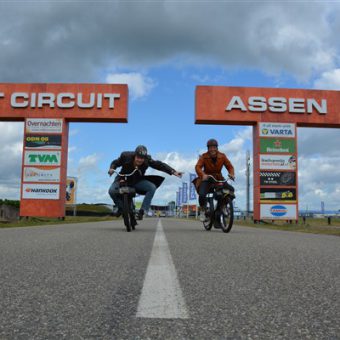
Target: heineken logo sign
(277, 145)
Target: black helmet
(212, 142)
(141, 151)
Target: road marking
(161, 296)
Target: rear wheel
(227, 216)
(126, 212)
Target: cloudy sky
(162, 50)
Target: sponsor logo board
(41, 191)
(41, 174)
(277, 162)
(43, 141)
(278, 211)
(285, 194)
(277, 130)
(277, 178)
(42, 125)
(49, 158)
(277, 145)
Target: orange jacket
(207, 166)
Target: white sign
(65, 100)
(277, 162)
(49, 158)
(278, 211)
(277, 130)
(43, 125)
(278, 105)
(42, 174)
(41, 191)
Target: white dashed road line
(161, 296)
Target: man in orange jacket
(210, 163)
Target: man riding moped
(144, 185)
(210, 164)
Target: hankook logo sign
(40, 191)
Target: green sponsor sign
(277, 145)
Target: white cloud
(75, 41)
(329, 80)
(139, 85)
(73, 132)
(72, 149)
(88, 164)
(11, 140)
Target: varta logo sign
(277, 129)
(277, 132)
(50, 159)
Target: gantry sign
(275, 115)
(47, 110)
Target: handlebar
(220, 181)
(124, 175)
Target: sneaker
(116, 211)
(140, 214)
(203, 217)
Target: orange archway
(47, 110)
(274, 114)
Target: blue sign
(278, 210)
(185, 193)
(179, 196)
(192, 189)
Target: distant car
(162, 214)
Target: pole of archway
(44, 168)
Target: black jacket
(125, 161)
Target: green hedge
(10, 202)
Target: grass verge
(37, 221)
(312, 225)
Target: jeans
(144, 186)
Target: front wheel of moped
(227, 216)
(126, 212)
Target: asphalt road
(85, 281)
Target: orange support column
(275, 171)
(256, 172)
(44, 167)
